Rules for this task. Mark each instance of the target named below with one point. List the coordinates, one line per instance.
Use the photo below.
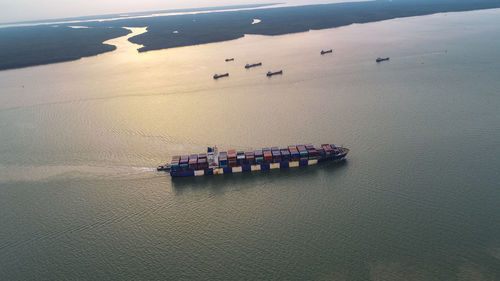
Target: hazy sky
(21, 10)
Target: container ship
(247, 66)
(217, 76)
(270, 73)
(227, 162)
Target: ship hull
(257, 167)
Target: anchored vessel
(231, 59)
(217, 76)
(274, 73)
(247, 66)
(326, 52)
(214, 162)
(382, 59)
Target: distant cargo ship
(269, 74)
(247, 66)
(231, 59)
(232, 161)
(217, 76)
(326, 52)
(381, 59)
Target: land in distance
(40, 45)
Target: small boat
(247, 66)
(381, 59)
(326, 52)
(217, 76)
(269, 74)
(231, 59)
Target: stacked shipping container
(266, 157)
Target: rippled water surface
(418, 198)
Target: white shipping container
(274, 166)
(312, 162)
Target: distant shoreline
(218, 27)
(37, 45)
(119, 16)
(33, 46)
